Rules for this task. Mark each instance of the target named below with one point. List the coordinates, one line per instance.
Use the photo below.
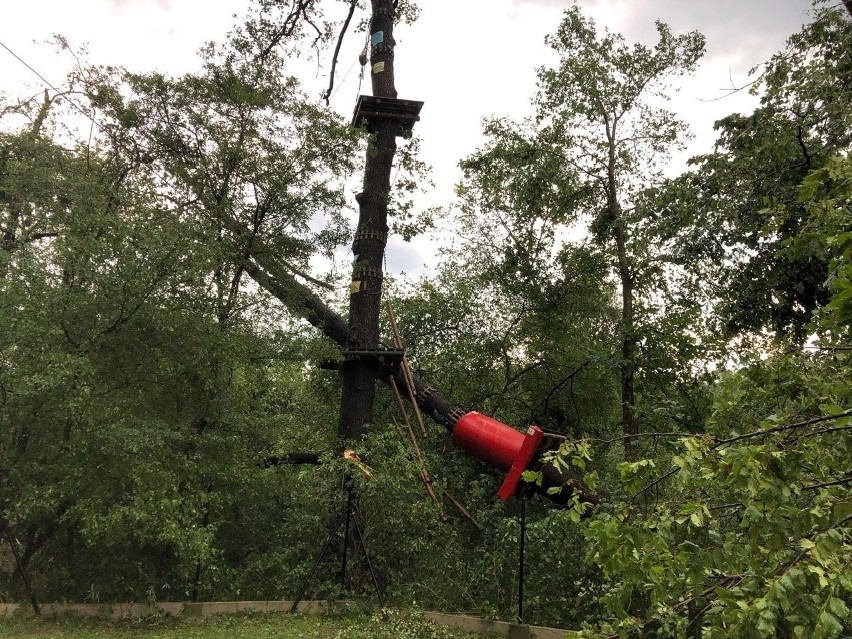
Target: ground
(242, 626)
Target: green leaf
(838, 607)
(828, 625)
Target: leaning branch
(302, 301)
(753, 434)
(327, 96)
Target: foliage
(826, 194)
(602, 104)
(728, 221)
(145, 383)
(744, 531)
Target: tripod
(345, 519)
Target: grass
(239, 626)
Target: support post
(375, 579)
(349, 513)
(315, 567)
(358, 377)
(522, 538)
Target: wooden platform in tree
(369, 110)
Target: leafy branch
(751, 435)
(780, 429)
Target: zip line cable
(19, 59)
(343, 79)
(51, 86)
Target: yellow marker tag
(379, 67)
(354, 287)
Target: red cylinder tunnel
(499, 445)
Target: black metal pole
(369, 563)
(521, 558)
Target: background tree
(545, 309)
(138, 368)
(754, 515)
(728, 221)
(602, 101)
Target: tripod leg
(316, 564)
(14, 545)
(369, 563)
(347, 516)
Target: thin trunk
(205, 521)
(359, 375)
(628, 342)
(627, 367)
(21, 563)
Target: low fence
(203, 609)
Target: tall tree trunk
(359, 375)
(628, 342)
(627, 367)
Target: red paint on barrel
(491, 441)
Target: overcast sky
(465, 59)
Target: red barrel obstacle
(496, 443)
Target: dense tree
(538, 306)
(601, 106)
(137, 365)
(728, 220)
(753, 517)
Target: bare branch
(327, 96)
(837, 482)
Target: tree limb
(327, 96)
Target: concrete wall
(192, 609)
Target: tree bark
(359, 375)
